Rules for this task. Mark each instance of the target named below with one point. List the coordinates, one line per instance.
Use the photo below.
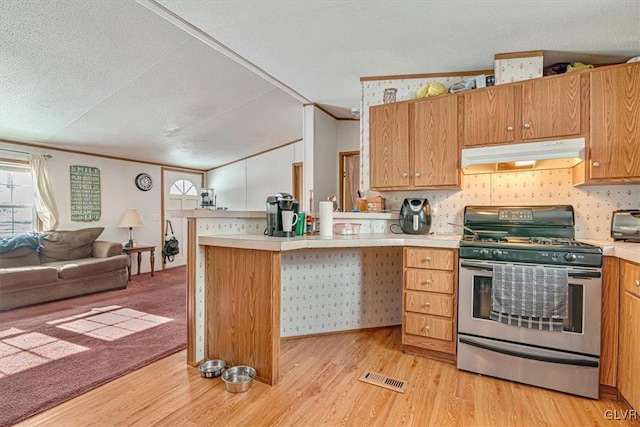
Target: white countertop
(210, 213)
(623, 250)
(268, 243)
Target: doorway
(349, 179)
(297, 181)
(181, 190)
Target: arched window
(183, 187)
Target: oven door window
(482, 303)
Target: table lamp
(130, 220)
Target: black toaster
(625, 225)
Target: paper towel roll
(326, 218)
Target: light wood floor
(319, 387)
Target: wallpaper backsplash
(593, 205)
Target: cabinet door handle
(426, 328)
(509, 128)
(417, 174)
(427, 282)
(637, 282)
(427, 304)
(527, 125)
(404, 175)
(596, 164)
(427, 259)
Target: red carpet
(52, 352)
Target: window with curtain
(17, 204)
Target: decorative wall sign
(85, 193)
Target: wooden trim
(192, 248)
(608, 392)
(15, 161)
(429, 354)
(346, 331)
(257, 154)
(328, 113)
(609, 332)
(427, 75)
(104, 156)
(512, 55)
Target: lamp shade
(131, 219)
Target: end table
(139, 250)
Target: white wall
(348, 135)
(229, 184)
(325, 157)
(118, 193)
(246, 184)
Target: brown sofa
(68, 264)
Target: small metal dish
(212, 368)
(238, 378)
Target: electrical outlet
(155, 217)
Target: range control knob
(497, 253)
(483, 252)
(570, 256)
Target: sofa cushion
(68, 245)
(87, 267)
(19, 257)
(12, 279)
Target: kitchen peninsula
(294, 287)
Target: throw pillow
(68, 245)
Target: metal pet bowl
(212, 368)
(238, 378)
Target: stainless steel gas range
(529, 298)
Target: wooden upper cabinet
(614, 140)
(435, 153)
(489, 115)
(551, 107)
(389, 145)
(526, 111)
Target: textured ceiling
(136, 79)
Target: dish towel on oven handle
(530, 296)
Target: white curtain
(45, 201)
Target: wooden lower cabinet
(242, 304)
(629, 338)
(429, 303)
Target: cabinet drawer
(427, 326)
(630, 277)
(438, 259)
(430, 281)
(428, 303)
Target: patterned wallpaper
(340, 289)
(593, 205)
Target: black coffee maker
(277, 204)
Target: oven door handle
(575, 274)
(475, 266)
(560, 360)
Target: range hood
(557, 154)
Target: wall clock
(144, 181)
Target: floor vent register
(384, 381)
